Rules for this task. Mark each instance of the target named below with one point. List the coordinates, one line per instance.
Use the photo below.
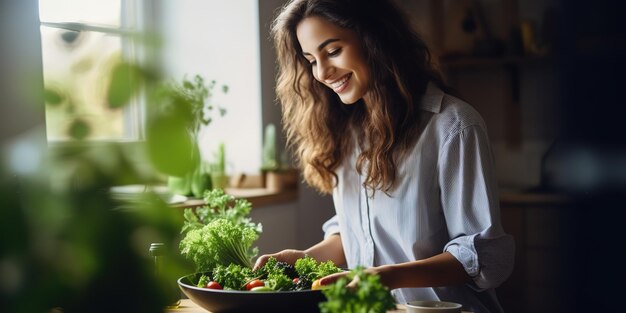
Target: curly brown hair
(320, 129)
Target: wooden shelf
(259, 197)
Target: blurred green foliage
(126, 80)
(186, 104)
(65, 242)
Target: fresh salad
(273, 276)
(219, 239)
(219, 233)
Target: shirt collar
(432, 98)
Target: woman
(409, 166)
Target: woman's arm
(440, 270)
(329, 249)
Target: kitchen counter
(539, 222)
(187, 306)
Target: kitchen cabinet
(509, 78)
(514, 94)
(539, 224)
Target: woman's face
(336, 56)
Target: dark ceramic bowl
(230, 301)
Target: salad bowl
(230, 301)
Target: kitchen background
(545, 75)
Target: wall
(22, 118)
(21, 79)
(203, 37)
(280, 230)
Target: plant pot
(281, 180)
(219, 180)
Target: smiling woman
(336, 58)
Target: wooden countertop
(187, 306)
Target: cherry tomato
(213, 285)
(254, 283)
(296, 280)
(316, 284)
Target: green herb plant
(191, 100)
(270, 157)
(194, 95)
(370, 296)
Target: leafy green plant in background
(66, 242)
(269, 155)
(190, 99)
(217, 168)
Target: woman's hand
(329, 249)
(439, 270)
(289, 256)
(381, 271)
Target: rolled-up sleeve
(331, 227)
(470, 204)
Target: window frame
(133, 21)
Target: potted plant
(217, 169)
(193, 97)
(277, 174)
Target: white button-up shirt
(445, 199)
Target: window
(219, 40)
(82, 41)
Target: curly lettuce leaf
(370, 295)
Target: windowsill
(283, 189)
(259, 197)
